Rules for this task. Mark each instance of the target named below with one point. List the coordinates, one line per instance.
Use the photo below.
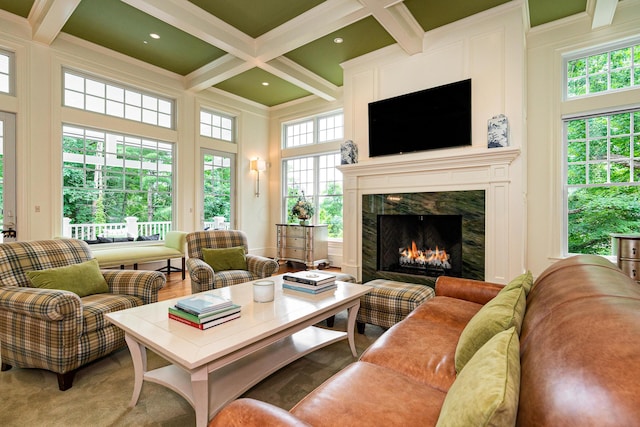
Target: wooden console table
(628, 252)
(307, 244)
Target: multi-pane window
(317, 179)
(109, 176)
(604, 71)
(217, 125)
(314, 177)
(602, 186)
(316, 130)
(217, 184)
(103, 97)
(6, 76)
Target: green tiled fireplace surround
(469, 204)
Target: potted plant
(302, 209)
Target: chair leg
(360, 327)
(183, 267)
(330, 321)
(66, 380)
(5, 367)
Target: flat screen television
(429, 119)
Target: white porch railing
(130, 228)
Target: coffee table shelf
(230, 381)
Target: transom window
(217, 125)
(315, 130)
(603, 71)
(6, 74)
(104, 97)
(111, 178)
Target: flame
(429, 257)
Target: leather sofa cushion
(423, 346)
(346, 400)
(486, 392)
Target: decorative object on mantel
(348, 153)
(303, 209)
(498, 131)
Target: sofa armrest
(44, 304)
(467, 289)
(251, 412)
(143, 284)
(201, 274)
(261, 266)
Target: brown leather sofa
(579, 358)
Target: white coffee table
(209, 368)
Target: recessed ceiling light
(265, 83)
(338, 40)
(154, 36)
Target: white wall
(39, 111)
(546, 46)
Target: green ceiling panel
(249, 85)
(432, 14)
(543, 11)
(120, 27)
(256, 17)
(17, 7)
(323, 56)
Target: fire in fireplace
(428, 245)
(412, 257)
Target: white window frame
(102, 96)
(598, 104)
(217, 125)
(324, 128)
(8, 72)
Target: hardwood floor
(176, 287)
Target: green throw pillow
(501, 313)
(83, 279)
(525, 280)
(487, 390)
(225, 258)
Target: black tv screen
(429, 119)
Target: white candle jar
(263, 291)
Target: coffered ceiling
(267, 51)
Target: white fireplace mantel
(497, 171)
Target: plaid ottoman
(389, 302)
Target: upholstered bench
(390, 301)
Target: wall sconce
(256, 165)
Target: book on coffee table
(309, 290)
(204, 317)
(205, 325)
(309, 278)
(203, 303)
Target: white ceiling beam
(603, 13)
(290, 71)
(47, 17)
(215, 72)
(399, 23)
(309, 26)
(192, 20)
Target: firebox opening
(428, 245)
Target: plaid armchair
(57, 330)
(203, 278)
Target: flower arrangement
(302, 209)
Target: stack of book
(309, 282)
(204, 311)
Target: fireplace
(429, 222)
(423, 244)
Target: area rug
(102, 390)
